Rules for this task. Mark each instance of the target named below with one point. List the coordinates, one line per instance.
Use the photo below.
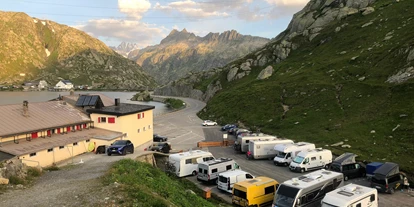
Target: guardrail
(215, 144)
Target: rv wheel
(392, 191)
(302, 170)
(194, 173)
(326, 166)
(286, 164)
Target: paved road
(184, 130)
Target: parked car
(121, 147)
(232, 130)
(228, 127)
(161, 147)
(346, 164)
(209, 123)
(387, 178)
(158, 138)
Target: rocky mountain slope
(182, 52)
(31, 48)
(341, 76)
(125, 48)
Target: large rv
(209, 171)
(307, 190)
(264, 148)
(242, 142)
(286, 152)
(186, 163)
(311, 160)
(351, 195)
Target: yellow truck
(254, 192)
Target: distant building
(64, 85)
(41, 84)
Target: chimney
(117, 102)
(25, 108)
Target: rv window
(239, 193)
(320, 157)
(247, 141)
(249, 176)
(205, 172)
(372, 199)
(269, 190)
(228, 167)
(310, 196)
(358, 205)
(288, 155)
(223, 179)
(200, 170)
(214, 170)
(188, 161)
(351, 167)
(313, 158)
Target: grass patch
(144, 185)
(14, 180)
(174, 103)
(52, 168)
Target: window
(205, 172)
(214, 170)
(358, 205)
(139, 116)
(270, 189)
(249, 176)
(75, 144)
(149, 126)
(144, 129)
(50, 150)
(33, 154)
(228, 167)
(188, 161)
(102, 119)
(139, 130)
(313, 158)
(143, 115)
(394, 178)
(88, 140)
(320, 157)
(247, 141)
(111, 120)
(200, 170)
(239, 193)
(61, 147)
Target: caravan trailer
(351, 195)
(209, 171)
(186, 163)
(307, 190)
(264, 148)
(286, 152)
(311, 160)
(242, 143)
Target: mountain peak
(173, 32)
(184, 31)
(176, 36)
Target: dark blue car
(121, 147)
(227, 127)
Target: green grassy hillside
(335, 88)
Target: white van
(311, 160)
(186, 163)
(351, 195)
(286, 152)
(209, 171)
(227, 179)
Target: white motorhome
(264, 148)
(209, 171)
(286, 152)
(186, 163)
(307, 190)
(311, 160)
(227, 179)
(351, 195)
(242, 142)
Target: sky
(147, 22)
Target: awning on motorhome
(346, 158)
(387, 169)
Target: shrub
(14, 180)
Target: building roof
(66, 82)
(35, 145)
(40, 116)
(5, 156)
(122, 109)
(72, 99)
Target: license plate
(378, 187)
(113, 150)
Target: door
(68, 129)
(58, 130)
(78, 127)
(34, 135)
(49, 133)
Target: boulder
(367, 24)
(368, 10)
(4, 181)
(245, 66)
(240, 75)
(265, 73)
(232, 73)
(410, 56)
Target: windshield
(336, 168)
(120, 142)
(281, 155)
(239, 193)
(285, 196)
(327, 205)
(222, 179)
(298, 159)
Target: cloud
(124, 30)
(285, 8)
(134, 8)
(288, 3)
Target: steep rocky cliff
(342, 72)
(32, 48)
(182, 52)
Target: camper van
(254, 192)
(264, 148)
(242, 142)
(307, 190)
(186, 163)
(286, 152)
(227, 179)
(387, 178)
(346, 164)
(311, 160)
(351, 195)
(209, 171)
